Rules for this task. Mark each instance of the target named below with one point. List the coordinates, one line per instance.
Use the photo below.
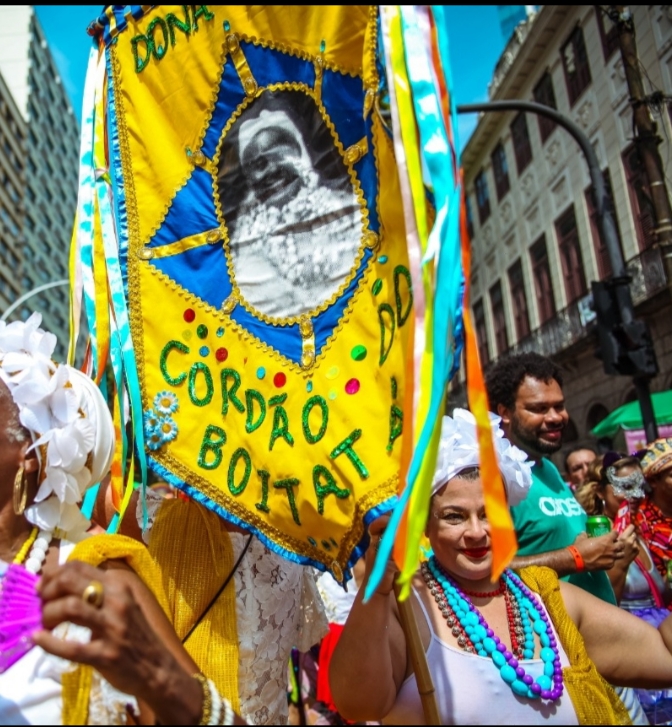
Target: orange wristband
(578, 559)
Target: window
(521, 142)
(470, 217)
(501, 169)
(544, 94)
(601, 252)
(640, 198)
(481, 333)
(570, 254)
(608, 32)
(499, 318)
(575, 63)
(482, 197)
(541, 272)
(519, 300)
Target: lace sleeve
(313, 625)
(154, 500)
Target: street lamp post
(620, 281)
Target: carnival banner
(261, 284)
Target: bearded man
(526, 392)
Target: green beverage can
(597, 525)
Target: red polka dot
(221, 354)
(352, 387)
(279, 380)
(189, 315)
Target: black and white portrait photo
(292, 216)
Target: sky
(476, 43)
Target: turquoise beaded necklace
(486, 644)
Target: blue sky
(475, 45)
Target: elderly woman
(527, 649)
(56, 440)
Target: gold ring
(93, 594)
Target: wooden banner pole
(418, 659)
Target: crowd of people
(200, 625)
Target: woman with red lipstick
(524, 650)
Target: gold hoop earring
(20, 495)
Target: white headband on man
(68, 420)
(458, 451)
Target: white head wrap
(67, 418)
(458, 450)
(266, 120)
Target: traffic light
(626, 349)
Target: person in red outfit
(655, 513)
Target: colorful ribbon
(416, 53)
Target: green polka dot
(358, 353)
(382, 259)
(323, 46)
(332, 394)
(227, 26)
(202, 331)
(326, 544)
(220, 332)
(377, 287)
(309, 386)
(313, 542)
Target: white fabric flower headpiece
(68, 419)
(458, 450)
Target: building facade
(47, 154)
(535, 243)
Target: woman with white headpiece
(524, 650)
(56, 440)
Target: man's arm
(597, 554)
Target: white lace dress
(278, 608)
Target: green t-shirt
(550, 518)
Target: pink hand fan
(20, 614)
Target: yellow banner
(268, 281)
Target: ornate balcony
(576, 321)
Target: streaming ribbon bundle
(423, 113)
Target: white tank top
(469, 690)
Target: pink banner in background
(635, 439)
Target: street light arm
(604, 217)
(30, 294)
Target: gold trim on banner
(307, 343)
(319, 74)
(242, 67)
(209, 237)
(355, 152)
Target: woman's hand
(631, 547)
(124, 648)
